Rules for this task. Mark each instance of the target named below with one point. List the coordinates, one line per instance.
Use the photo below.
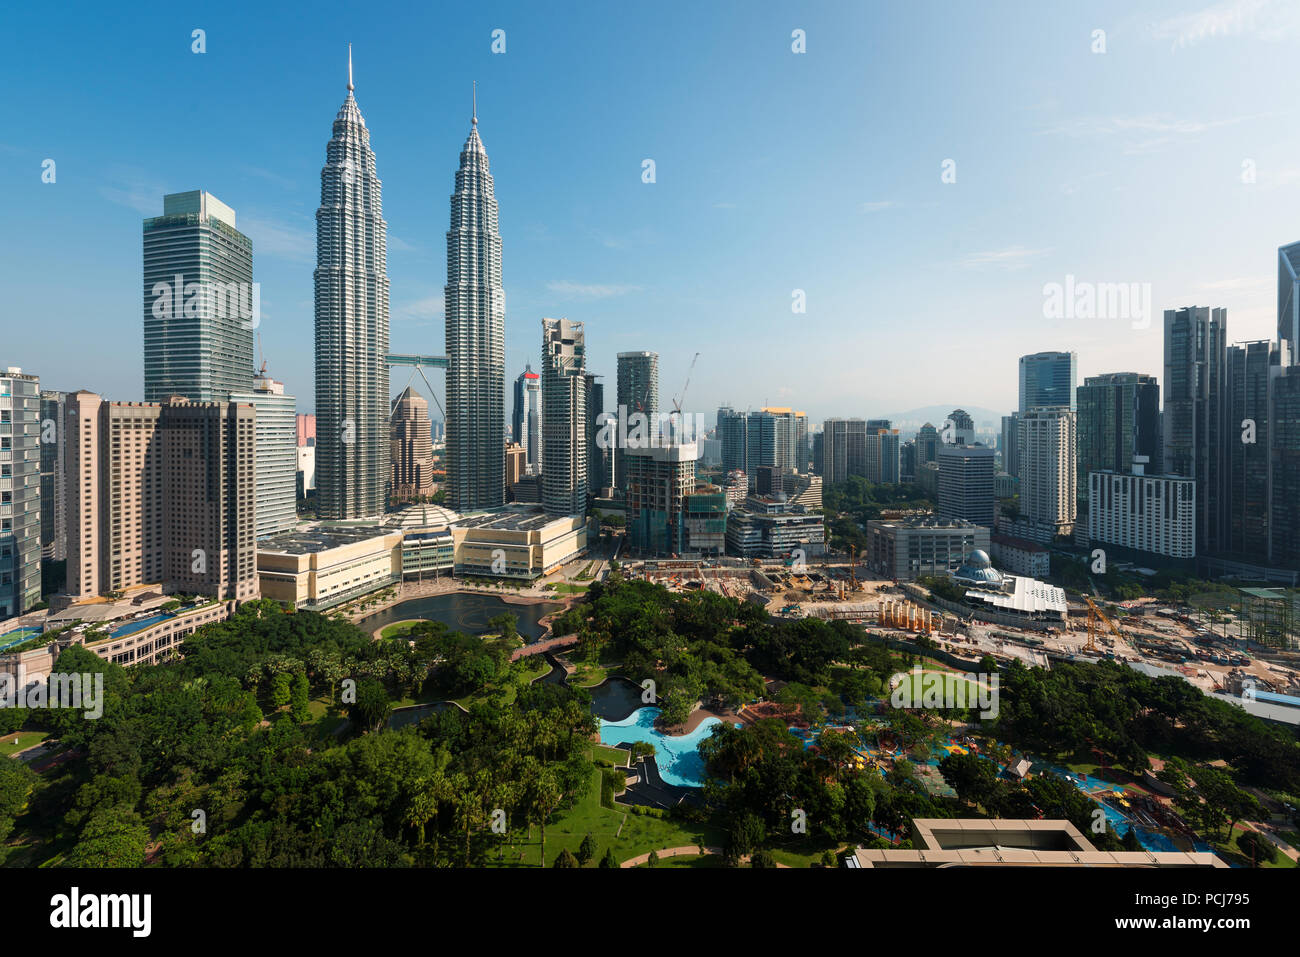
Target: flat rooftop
(320, 540)
(515, 520)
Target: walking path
(540, 647)
(690, 850)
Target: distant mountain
(986, 420)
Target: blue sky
(775, 171)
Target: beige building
(321, 568)
(160, 494)
(516, 463)
(1048, 472)
(411, 445)
(517, 543)
(995, 842)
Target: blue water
(134, 626)
(677, 756)
(11, 638)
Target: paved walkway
(540, 647)
(690, 850)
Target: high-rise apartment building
(276, 457)
(411, 447)
(1010, 444)
(161, 494)
(882, 455)
(20, 491)
(771, 438)
(927, 445)
(965, 487)
(1249, 371)
(1048, 380)
(1195, 411)
(733, 432)
(54, 525)
(1119, 420)
(1148, 513)
(1284, 476)
(526, 422)
(565, 436)
(351, 290)
(200, 304)
(599, 459)
(959, 429)
(637, 388)
(844, 449)
(1048, 472)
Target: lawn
(955, 688)
(398, 629)
(640, 834)
(690, 860)
(561, 588)
(1231, 851)
(22, 741)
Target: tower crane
(681, 396)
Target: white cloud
(1013, 257)
(579, 290)
(419, 310)
(1266, 19)
(878, 205)
(278, 239)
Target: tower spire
(474, 120)
(350, 86)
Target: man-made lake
(463, 611)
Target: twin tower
(351, 295)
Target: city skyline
(617, 284)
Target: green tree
(565, 859)
(587, 850)
(609, 860)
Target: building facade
(1119, 419)
(20, 491)
(526, 425)
(411, 447)
(1048, 472)
(637, 390)
(965, 483)
(1147, 513)
(54, 523)
(200, 304)
(565, 433)
(921, 545)
(1048, 380)
(276, 454)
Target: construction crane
(681, 396)
(1096, 616)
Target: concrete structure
(351, 303)
(160, 495)
(803, 490)
(1007, 842)
(1147, 513)
(637, 390)
(276, 454)
(771, 437)
(20, 491)
(1008, 597)
(1048, 472)
(54, 524)
(565, 430)
(321, 568)
(769, 527)
(704, 520)
(1010, 447)
(1195, 409)
(1284, 469)
(306, 424)
(1048, 380)
(733, 433)
(516, 463)
(1288, 299)
(600, 461)
(520, 543)
(410, 447)
(959, 429)
(1020, 556)
(658, 481)
(200, 304)
(927, 479)
(965, 483)
(306, 470)
(927, 445)
(736, 487)
(884, 463)
(526, 423)
(921, 545)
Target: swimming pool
(678, 756)
(137, 625)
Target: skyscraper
(927, 444)
(959, 429)
(966, 483)
(598, 459)
(1288, 299)
(20, 491)
(411, 445)
(637, 388)
(565, 438)
(200, 305)
(351, 325)
(526, 421)
(1195, 414)
(844, 449)
(475, 308)
(882, 455)
(1119, 420)
(1010, 443)
(1048, 472)
(771, 438)
(54, 526)
(1249, 371)
(1284, 472)
(733, 432)
(1048, 379)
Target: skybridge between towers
(418, 364)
